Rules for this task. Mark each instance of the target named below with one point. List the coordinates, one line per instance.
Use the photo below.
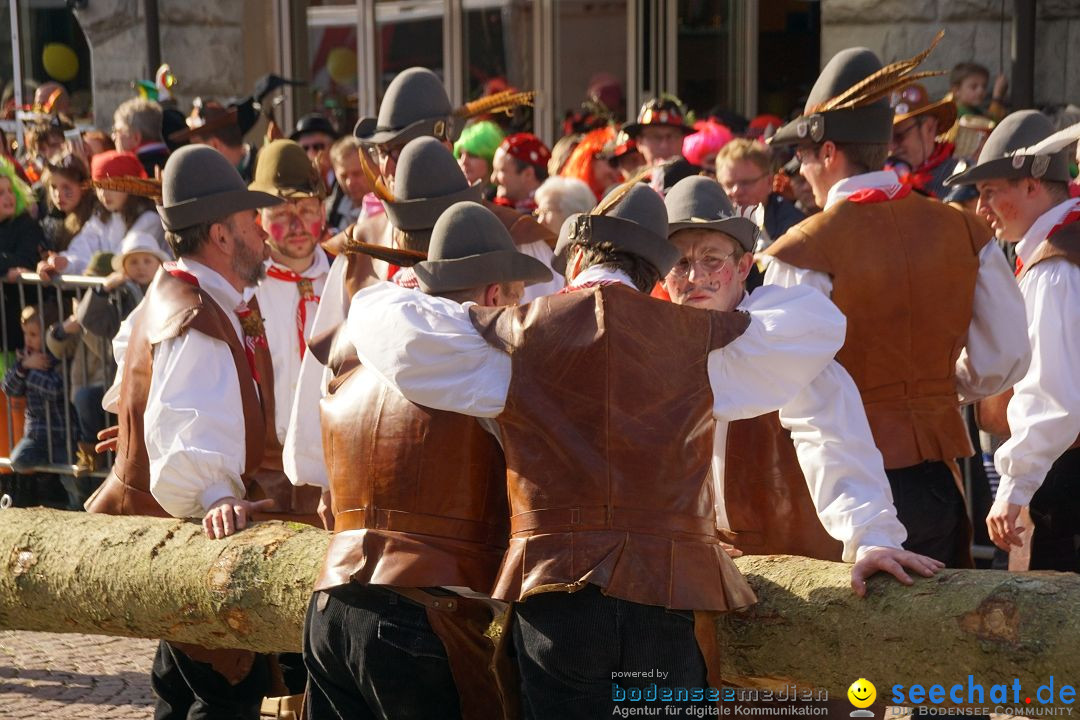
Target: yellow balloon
(60, 61)
(341, 65)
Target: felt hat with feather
(416, 104)
(849, 102)
(471, 248)
(1023, 145)
(427, 182)
(631, 219)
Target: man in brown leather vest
(191, 424)
(395, 628)
(923, 292)
(1022, 176)
(415, 106)
(762, 498)
(606, 413)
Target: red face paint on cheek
(277, 231)
(315, 229)
(1005, 209)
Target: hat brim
(871, 124)
(481, 270)
(634, 129)
(394, 256)
(1006, 169)
(421, 213)
(743, 230)
(367, 131)
(213, 208)
(625, 235)
(943, 110)
(285, 193)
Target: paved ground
(74, 677)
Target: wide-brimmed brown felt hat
(699, 203)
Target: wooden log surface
(145, 577)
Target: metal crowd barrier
(64, 292)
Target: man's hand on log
(229, 515)
(1002, 524)
(872, 559)
(326, 514)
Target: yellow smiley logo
(862, 693)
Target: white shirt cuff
(1018, 490)
(214, 493)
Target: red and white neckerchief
(880, 194)
(1070, 217)
(305, 286)
(405, 277)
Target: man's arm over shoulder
(194, 425)
(793, 334)
(428, 348)
(997, 353)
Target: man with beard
(289, 295)
(1022, 176)
(929, 300)
(761, 484)
(917, 157)
(192, 428)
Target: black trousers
(931, 508)
(187, 689)
(1055, 510)
(371, 653)
(574, 651)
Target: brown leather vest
(607, 431)
(419, 495)
(172, 307)
(523, 229)
(766, 500)
(903, 273)
(990, 413)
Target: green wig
(481, 138)
(23, 194)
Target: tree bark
(144, 577)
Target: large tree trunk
(142, 577)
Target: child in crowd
(70, 200)
(119, 213)
(968, 82)
(35, 377)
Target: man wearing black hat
(316, 134)
(394, 628)
(761, 483)
(659, 130)
(1022, 176)
(605, 413)
(925, 292)
(191, 423)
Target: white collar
(601, 273)
(1042, 227)
(216, 286)
(851, 185)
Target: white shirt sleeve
(842, 465)
(428, 348)
(194, 425)
(110, 402)
(782, 274)
(997, 352)
(1044, 412)
(302, 453)
(793, 334)
(542, 252)
(83, 246)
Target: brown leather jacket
(419, 495)
(766, 500)
(903, 273)
(990, 414)
(607, 431)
